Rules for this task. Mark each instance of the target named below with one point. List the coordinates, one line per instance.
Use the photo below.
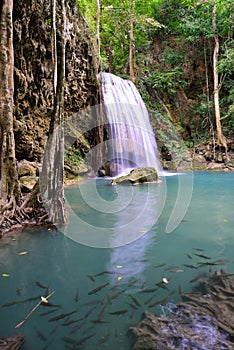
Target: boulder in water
(138, 176)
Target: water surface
(131, 270)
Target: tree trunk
(9, 185)
(52, 177)
(221, 138)
(131, 69)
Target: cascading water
(131, 143)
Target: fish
(190, 266)
(69, 322)
(84, 339)
(77, 295)
(162, 301)
(61, 316)
(148, 290)
(132, 283)
(40, 335)
(69, 340)
(119, 312)
(189, 256)
(47, 312)
(40, 285)
(149, 300)
(177, 270)
(160, 265)
(202, 256)
(180, 290)
(104, 272)
(114, 296)
(95, 290)
(89, 312)
(21, 301)
(99, 321)
(76, 328)
(132, 305)
(102, 313)
(134, 299)
(199, 249)
(91, 277)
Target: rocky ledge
(204, 320)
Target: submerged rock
(204, 320)
(12, 343)
(138, 176)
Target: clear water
(65, 265)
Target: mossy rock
(138, 176)
(25, 168)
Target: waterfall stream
(131, 141)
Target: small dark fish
(91, 277)
(69, 322)
(134, 299)
(208, 263)
(18, 291)
(77, 296)
(132, 283)
(157, 302)
(89, 312)
(149, 300)
(105, 273)
(148, 290)
(40, 285)
(202, 256)
(102, 313)
(21, 301)
(76, 328)
(83, 340)
(133, 306)
(95, 290)
(69, 340)
(47, 312)
(141, 260)
(199, 249)
(160, 265)
(47, 291)
(189, 256)
(119, 312)
(61, 316)
(180, 290)
(114, 296)
(99, 321)
(40, 335)
(190, 266)
(162, 301)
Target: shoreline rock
(138, 176)
(204, 320)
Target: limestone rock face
(138, 176)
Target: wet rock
(12, 343)
(138, 176)
(110, 168)
(203, 320)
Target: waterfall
(131, 141)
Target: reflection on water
(108, 289)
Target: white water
(131, 143)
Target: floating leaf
(119, 266)
(165, 280)
(5, 275)
(119, 278)
(44, 300)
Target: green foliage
(168, 81)
(73, 157)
